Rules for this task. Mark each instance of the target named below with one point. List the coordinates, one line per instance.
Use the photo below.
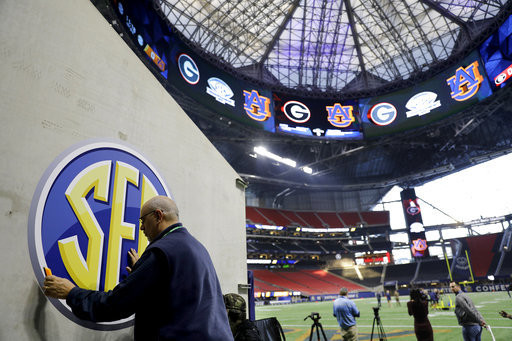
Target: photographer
(345, 312)
(418, 307)
(242, 328)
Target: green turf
(397, 323)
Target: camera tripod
(316, 325)
(380, 329)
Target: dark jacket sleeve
(122, 301)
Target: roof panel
(312, 43)
(472, 10)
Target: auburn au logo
(256, 106)
(418, 248)
(84, 217)
(466, 82)
(340, 116)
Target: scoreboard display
(317, 118)
(443, 95)
(374, 259)
(180, 66)
(446, 93)
(496, 53)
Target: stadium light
(258, 261)
(264, 152)
(307, 170)
(260, 150)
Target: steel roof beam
(279, 31)
(355, 37)
(447, 14)
(391, 63)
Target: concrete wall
(65, 77)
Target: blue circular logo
(84, 217)
(188, 69)
(382, 114)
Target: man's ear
(160, 215)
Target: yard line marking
(388, 326)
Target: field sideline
(397, 323)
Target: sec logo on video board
(84, 217)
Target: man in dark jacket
(173, 288)
(242, 328)
(468, 317)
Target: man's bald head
(164, 204)
(156, 215)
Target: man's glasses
(141, 219)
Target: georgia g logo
(382, 114)
(296, 111)
(188, 69)
(84, 217)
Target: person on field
(418, 307)
(467, 315)
(345, 312)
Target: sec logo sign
(84, 217)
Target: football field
(397, 323)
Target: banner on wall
(414, 223)
(461, 265)
(84, 217)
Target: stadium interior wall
(68, 77)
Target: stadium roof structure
(326, 47)
(342, 49)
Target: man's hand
(134, 257)
(505, 315)
(483, 324)
(57, 287)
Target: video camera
(316, 325)
(376, 311)
(314, 316)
